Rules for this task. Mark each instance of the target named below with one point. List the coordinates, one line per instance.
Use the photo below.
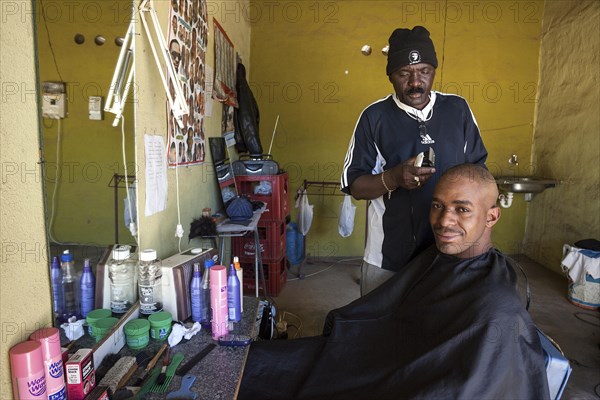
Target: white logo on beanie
(414, 57)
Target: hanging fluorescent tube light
(117, 93)
(178, 104)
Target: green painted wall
(90, 152)
(308, 69)
(566, 141)
(25, 302)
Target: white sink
(524, 184)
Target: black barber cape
(441, 328)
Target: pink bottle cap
(26, 358)
(218, 275)
(49, 338)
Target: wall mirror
(89, 163)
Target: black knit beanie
(410, 47)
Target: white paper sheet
(156, 174)
(208, 89)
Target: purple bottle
(87, 285)
(233, 296)
(58, 298)
(196, 295)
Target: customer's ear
(493, 215)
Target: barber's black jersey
(385, 136)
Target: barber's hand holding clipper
(408, 176)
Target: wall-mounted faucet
(514, 159)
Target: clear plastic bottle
(87, 285)
(149, 283)
(206, 310)
(196, 295)
(58, 298)
(69, 284)
(121, 272)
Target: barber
(380, 162)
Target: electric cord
(298, 328)
(56, 184)
(326, 268)
(444, 43)
(575, 362)
(50, 41)
(55, 190)
(178, 229)
(132, 223)
(578, 314)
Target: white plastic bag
(347, 212)
(305, 212)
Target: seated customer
(450, 325)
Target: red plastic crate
(275, 277)
(271, 236)
(278, 202)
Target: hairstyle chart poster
(187, 40)
(224, 82)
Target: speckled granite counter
(218, 375)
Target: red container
(271, 236)
(278, 202)
(275, 277)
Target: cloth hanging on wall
(246, 116)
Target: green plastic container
(94, 316)
(137, 332)
(102, 327)
(160, 325)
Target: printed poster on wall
(187, 41)
(224, 84)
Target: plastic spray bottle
(87, 284)
(58, 298)
(233, 295)
(196, 295)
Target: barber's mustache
(415, 90)
(442, 231)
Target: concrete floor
(304, 304)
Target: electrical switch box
(54, 100)
(95, 108)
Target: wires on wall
(132, 223)
(50, 41)
(56, 184)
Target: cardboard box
(81, 376)
(99, 393)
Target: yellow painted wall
(25, 303)
(197, 184)
(82, 208)
(566, 140)
(308, 69)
